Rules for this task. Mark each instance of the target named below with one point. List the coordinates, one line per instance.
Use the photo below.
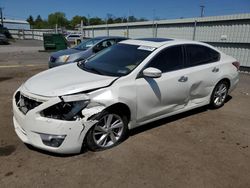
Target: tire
(219, 95)
(111, 130)
(78, 42)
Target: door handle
(215, 69)
(183, 79)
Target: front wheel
(219, 95)
(110, 130)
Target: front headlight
(52, 59)
(68, 109)
(65, 58)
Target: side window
(199, 55)
(169, 59)
(215, 56)
(106, 43)
(73, 36)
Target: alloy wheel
(108, 130)
(220, 94)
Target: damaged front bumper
(53, 135)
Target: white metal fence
(230, 33)
(36, 34)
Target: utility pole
(88, 20)
(202, 10)
(107, 27)
(153, 24)
(128, 24)
(82, 29)
(88, 24)
(1, 14)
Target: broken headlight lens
(63, 110)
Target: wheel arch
(220, 80)
(226, 80)
(120, 108)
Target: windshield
(117, 60)
(87, 44)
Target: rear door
(203, 71)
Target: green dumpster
(54, 42)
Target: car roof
(109, 37)
(158, 42)
(155, 39)
(146, 42)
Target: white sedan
(73, 38)
(96, 102)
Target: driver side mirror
(152, 72)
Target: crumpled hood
(64, 80)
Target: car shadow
(83, 150)
(170, 119)
(229, 97)
(5, 78)
(4, 43)
(166, 120)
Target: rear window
(199, 55)
(71, 36)
(87, 44)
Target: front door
(159, 96)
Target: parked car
(3, 39)
(135, 82)
(82, 51)
(73, 37)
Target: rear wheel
(219, 94)
(110, 130)
(78, 41)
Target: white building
(16, 24)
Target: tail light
(237, 65)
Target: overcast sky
(163, 9)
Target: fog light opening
(52, 140)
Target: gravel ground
(200, 148)
(23, 52)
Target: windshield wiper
(82, 65)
